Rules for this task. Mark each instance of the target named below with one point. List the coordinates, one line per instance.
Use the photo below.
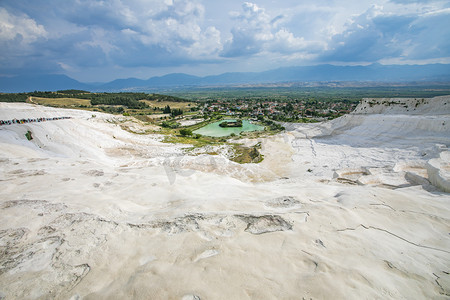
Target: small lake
(215, 130)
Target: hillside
(319, 73)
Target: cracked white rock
(89, 210)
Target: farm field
(172, 104)
(60, 102)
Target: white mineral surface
(354, 208)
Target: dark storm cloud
(63, 36)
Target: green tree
(167, 110)
(176, 112)
(185, 132)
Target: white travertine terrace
(354, 208)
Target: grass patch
(245, 155)
(172, 104)
(195, 142)
(143, 118)
(61, 102)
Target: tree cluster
(173, 112)
(167, 110)
(159, 97)
(21, 97)
(118, 100)
(176, 112)
(113, 109)
(73, 92)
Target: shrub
(185, 132)
(28, 135)
(168, 124)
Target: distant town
(292, 111)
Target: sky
(102, 40)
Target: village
(288, 111)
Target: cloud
(252, 29)
(46, 36)
(285, 42)
(17, 34)
(376, 35)
(410, 1)
(255, 32)
(22, 28)
(430, 36)
(153, 29)
(96, 33)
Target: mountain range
(326, 72)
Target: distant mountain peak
(324, 72)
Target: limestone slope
(346, 209)
(378, 135)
